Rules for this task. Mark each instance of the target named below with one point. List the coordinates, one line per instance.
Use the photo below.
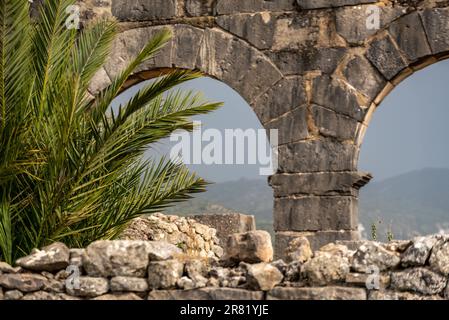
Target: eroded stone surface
(324, 293)
(418, 253)
(439, 259)
(164, 274)
(299, 250)
(420, 280)
(23, 282)
(191, 236)
(251, 247)
(125, 257)
(263, 276)
(125, 284)
(51, 258)
(89, 287)
(372, 256)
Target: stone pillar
(323, 206)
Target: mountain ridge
(412, 203)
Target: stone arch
(212, 51)
(318, 183)
(311, 69)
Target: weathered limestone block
(370, 84)
(263, 276)
(53, 285)
(409, 34)
(6, 268)
(292, 126)
(420, 280)
(119, 296)
(89, 287)
(236, 63)
(51, 258)
(206, 294)
(125, 257)
(238, 6)
(336, 249)
(399, 246)
(439, 259)
(351, 21)
(435, 21)
(315, 213)
(297, 32)
(226, 277)
(298, 250)
(293, 272)
(319, 183)
(385, 57)
(317, 156)
(325, 268)
(394, 295)
(371, 255)
(43, 295)
(125, 284)
(140, 10)
(128, 44)
(25, 282)
(418, 253)
(332, 94)
(284, 96)
(316, 239)
(364, 279)
(197, 270)
(196, 8)
(164, 274)
(323, 293)
(250, 247)
(300, 61)
(233, 294)
(186, 283)
(193, 238)
(332, 124)
(317, 4)
(258, 29)
(13, 295)
(186, 45)
(227, 223)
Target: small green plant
(182, 245)
(374, 231)
(390, 234)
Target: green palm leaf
(71, 169)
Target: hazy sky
(409, 131)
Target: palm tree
(71, 169)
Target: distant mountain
(412, 203)
(407, 205)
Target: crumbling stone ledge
(137, 270)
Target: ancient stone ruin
(313, 69)
(160, 270)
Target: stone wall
(135, 270)
(310, 68)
